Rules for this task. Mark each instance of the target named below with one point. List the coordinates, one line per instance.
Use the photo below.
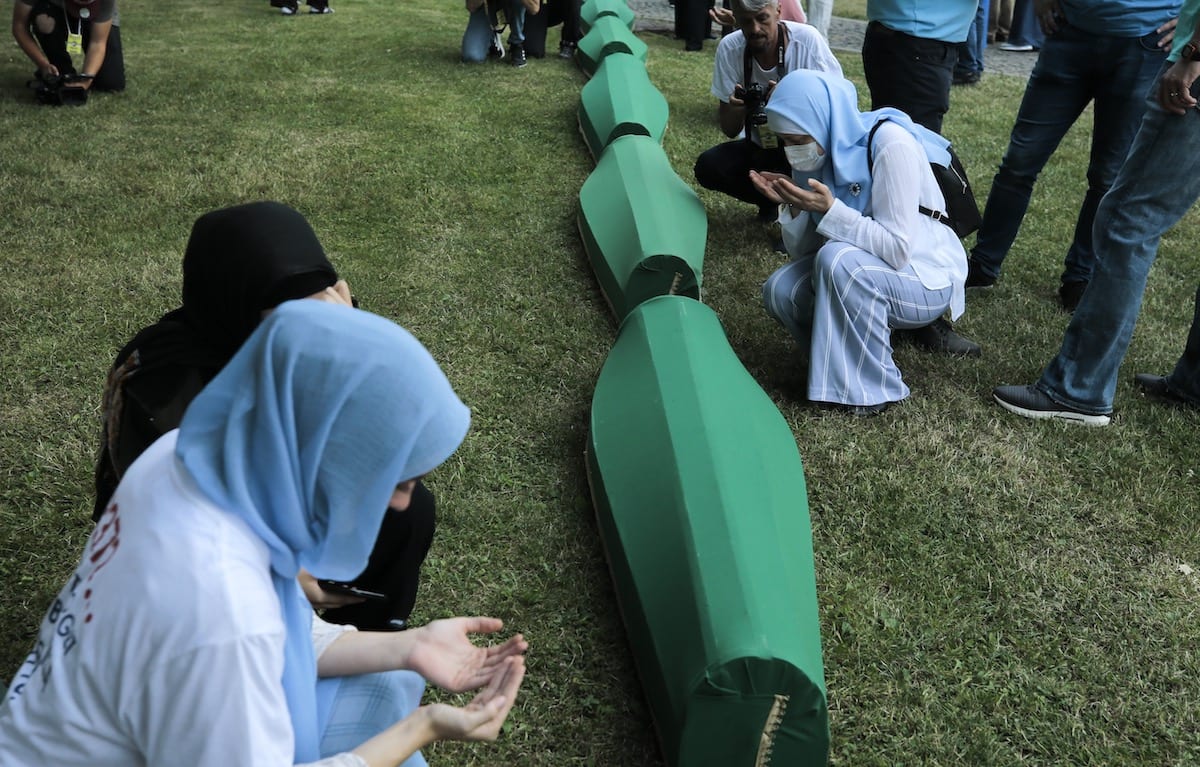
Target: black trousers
(692, 22)
(394, 568)
(912, 74)
(552, 13)
(111, 76)
(726, 168)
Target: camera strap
(74, 36)
(766, 138)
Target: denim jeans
(1157, 185)
(1025, 29)
(1073, 69)
(970, 53)
(478, 37)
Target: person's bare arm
(20, 32)
(731, 115)
(481, 719)
(93, 57)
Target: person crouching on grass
(183, 637)
(866, 258)
(49, 32)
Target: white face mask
(804, 157)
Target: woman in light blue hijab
(864, 257)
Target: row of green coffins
(696, 479)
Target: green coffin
(643, 228)
(620, 100)
(594, 9)
(608, 35)
(701, 504)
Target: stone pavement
(844, 35)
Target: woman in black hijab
(240, 263)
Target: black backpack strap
(936, 215)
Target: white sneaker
(326, 9)
(287, 11)
(497, 49)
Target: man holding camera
(748, 64)
(51, 31)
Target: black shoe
(966, 78)
(778, 246)
(516, 54)
(1069, 294)
(566, 50)
(939, 336)
(1030, 402)
(976, 278)
(1157, 387)
(694, 46)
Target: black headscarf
(239, 261)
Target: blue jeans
(1073, 68)
(1157, 185)
(478, 37)
(1025, 29)
(970, 53)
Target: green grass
(993, 591)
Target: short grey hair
(753, 6)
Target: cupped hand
(764, 181)
(482, 718)
(444, 655)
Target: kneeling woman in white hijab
(865, 259)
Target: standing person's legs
(1058, 90)
(969, 66)
(819, 14)
(1158, 184)
(912, 74)
(1185, 379)
(1128, 68)
(857, 300)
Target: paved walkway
(844, 35)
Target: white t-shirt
(165, 647)
(805, 49)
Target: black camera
(60, 90)
(755, 100)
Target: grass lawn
(993, 591)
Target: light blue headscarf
(304, 435)
(825, 106)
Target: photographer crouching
(50, 32)
(748, 64)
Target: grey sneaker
(1030, 402)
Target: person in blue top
(1100, 52)
(1157, 185)
(909, 52)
